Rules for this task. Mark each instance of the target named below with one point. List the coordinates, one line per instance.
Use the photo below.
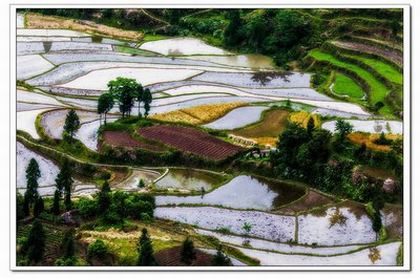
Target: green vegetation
(378, 91)
(134, 51)
(327, 162)
(386, 70)
(344, 85)
(220, 259)
(188, 251)
(146, 257)
(71, 125)
(115, 227)
(272, 123)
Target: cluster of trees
(327, 161)
(283, 34)
(124, 91)
(112, 208)
(31, 197)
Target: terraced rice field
(237, 118)
(273, 122)
(189, 179)
(191, 141)
(181, 46)
(256, 193)
(369, 140)
(391, 55)
(199, 114)
(48, 169)
(346, 87)
(369, 126)
(378, 90)
(124, 139)
(69, 63)
(384, 69)
(302, 117)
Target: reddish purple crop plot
(191, 140)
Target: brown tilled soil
(391, 55)
(191, 140)
(34, 20)
(172, 257)
(311, 200)
(124, 139)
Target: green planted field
(384, 69)
(135, 51)
(345, 86)
(378, 91)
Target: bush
(97, 249)
(382, 140)
(86, 207)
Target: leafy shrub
(97, 249)
(86, 207)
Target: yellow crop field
(33, 20)
(199, 114)
(302, 118)
(266, 141)
(368, 139)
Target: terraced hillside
(262, 136)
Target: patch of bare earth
(311, 200)
(394, 222)
(172, 257)
(124, 139)
(53, 22)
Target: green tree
(105, 104)
(56, 203)
(377, 222)
(71, 124)
(139, 97)
(20, 212)
(67, 245)
(188, 254)
(104, 199)
(31, 194)
(147, 100)
(247, 227)
(32, 175)
(233, 35)
(38, 206)
(257, 29)
(64, 182)
(220, 259)
(343, 128)
(141, 184)
(145, 250)
(310, 126)
(97, 249)
(35, 245)
(124, 90)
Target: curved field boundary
(361, 49)
(377, 91)
(367, 62)
(388, 45)
(191, 141)
(145, 12)
(33, 20)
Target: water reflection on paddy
(243, 192)
(189, 179)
